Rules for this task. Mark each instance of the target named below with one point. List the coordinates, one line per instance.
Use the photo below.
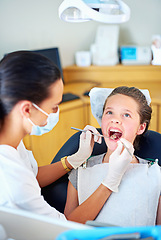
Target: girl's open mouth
(115, 134)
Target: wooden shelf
(141, 76)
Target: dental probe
(81, 130)
(100, 135)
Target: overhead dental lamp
(105, 11)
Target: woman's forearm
(90, 208)
(50, 173)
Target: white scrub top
(19, 187)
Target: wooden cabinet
(156, 115)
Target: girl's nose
(116, 121)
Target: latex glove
(118, 164)
(86, 144)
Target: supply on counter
(105, 49)
(135, 55)
(83, 58)
(156, 49)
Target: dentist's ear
(141, 129)
(25, 108)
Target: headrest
(98, 97)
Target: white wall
(34, 24)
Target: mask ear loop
(31, 122)
(40, 109)
(43, 110)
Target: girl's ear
(141, 129)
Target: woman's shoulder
(8, 153)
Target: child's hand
(86, 144)
(118, 164)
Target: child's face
(121, 116)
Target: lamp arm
(91, 14)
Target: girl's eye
(126, 115)
(108, 112)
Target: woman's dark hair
(144, 111)
(25, 75)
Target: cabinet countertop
(140, 76)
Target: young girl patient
(126, 115)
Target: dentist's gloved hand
(118, 164)
(86, 144)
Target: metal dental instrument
(81, 130)
(104, 136)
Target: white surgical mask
(52, 120)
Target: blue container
(102, 232)
(128, 53)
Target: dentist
(31, 89)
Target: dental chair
(18, 224)
(55, 194)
